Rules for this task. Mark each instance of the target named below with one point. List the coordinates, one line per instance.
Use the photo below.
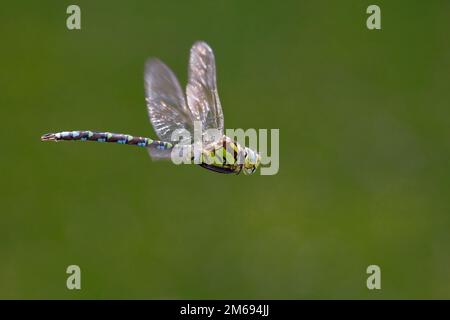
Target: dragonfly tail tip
(48, 137)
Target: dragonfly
(169, 109)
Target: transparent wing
(166, 103)
(158, 154)
(202, 96)
(180, 151)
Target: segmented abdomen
(105, 137)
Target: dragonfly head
(251, 161)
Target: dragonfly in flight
(169, 109)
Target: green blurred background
(364, 152)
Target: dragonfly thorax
(228, 156)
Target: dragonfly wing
(182, 152)
(166, 103)
(158, 154)
(202, 96)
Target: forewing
(202, 96)
(166, 103)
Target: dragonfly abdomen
(105, 137)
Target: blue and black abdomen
(105, 137)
